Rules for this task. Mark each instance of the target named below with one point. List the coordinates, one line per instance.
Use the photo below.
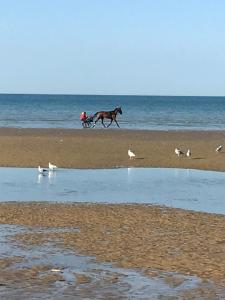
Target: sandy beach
(130, 236)
(106, 148)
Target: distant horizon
(122, 95)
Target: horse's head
(119, 110)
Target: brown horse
(107, 115)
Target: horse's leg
(95, 122)
(114, 119)
(116, 123)
(103, 122)
(110, 123)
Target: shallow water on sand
(180, 188)
(48, 271)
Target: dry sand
(96, 148)
(129, 235)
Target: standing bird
(188, 153)
(51, 166)
(42, 170)
(219, 148)
(178, 151)
(131, 154)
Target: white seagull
(178, 151)
(131, 154)
(188, 153)
(51, 166)
(42, 170)
(219, 148)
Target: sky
(138, 47)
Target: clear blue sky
(151, 47)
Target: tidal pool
(180, 188)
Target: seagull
(188, 153)
(178, 151)
(219, 148)
(42, 170)
(51, 166)
(131, 154)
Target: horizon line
(122, 95)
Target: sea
(139, 112)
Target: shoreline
(107, 148)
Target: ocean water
(139, 112)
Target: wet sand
(106, 148)
(131, 236)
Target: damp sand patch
(131, 236)
(47, 269)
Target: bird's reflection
(40, 178)
(51, 176)
(129, 175)
(129, 171)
